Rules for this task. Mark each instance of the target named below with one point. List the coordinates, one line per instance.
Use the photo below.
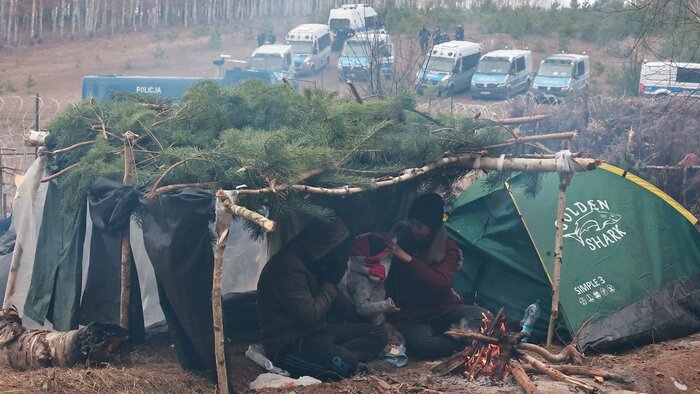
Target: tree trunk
(24, 349)
(31, 22)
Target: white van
(273, 57)
(354, 18)
(363, 51)
(559, 75)
(669, 78)
(503, 73)
(311, 47)
(449, 67)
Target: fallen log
(521, 377)
(582, 370)
(569, 352)
(543, 368)
(24, 349)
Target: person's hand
(392, 307)
(397, 251)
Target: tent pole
(125, 262)
(564, 180)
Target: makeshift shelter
(631, 255)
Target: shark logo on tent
(594, 226)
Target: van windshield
(301, 47)
(336, 24)
(558, 70)
(356, 49)
(268, 62)
(440, 64)
(493, 65)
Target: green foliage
(262, 136)
(30, 82)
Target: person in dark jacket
(459, 33)
(420, 283)
(261, 39)
(424, 37)
(293, 304)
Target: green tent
(631, 255)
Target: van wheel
(450, 91)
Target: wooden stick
(569, 352)
(533, 138)
(167, 171)
(554, 374)
(522, 378)
(266, 224)
(125, 263)
(582, 370)
(473, 335)
(68, 148)
(223, 225)
(353, 89)
(56, 175)
(465, 161)
(521, 120)
(564, 180)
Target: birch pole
(125, 263)
(564, 180)
(225, 209)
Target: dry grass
(150, 370)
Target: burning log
(495, 352)
(24, 349)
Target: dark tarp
(54, 292)
(178, 242)
(111, 205)
(7, 246)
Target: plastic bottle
(532, 313)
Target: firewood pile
(495, 353)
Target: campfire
(495, 353)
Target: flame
(484, 361)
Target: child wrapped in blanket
(363, 283)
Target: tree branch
(265, 223)
(56, 175)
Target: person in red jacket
(420, 283)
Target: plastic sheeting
(27, 210)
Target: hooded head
(428, 211)
(319, 238)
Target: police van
(311, 47)
(275, 58)
(660, 79)
(559, 75)
(351, 19)
(362, 53)
(354, 18)
(503, 73)
(449, 67)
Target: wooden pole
(223, 224)
(225, 209)
(125, 263)
(564, 180)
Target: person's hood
(319, 238)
